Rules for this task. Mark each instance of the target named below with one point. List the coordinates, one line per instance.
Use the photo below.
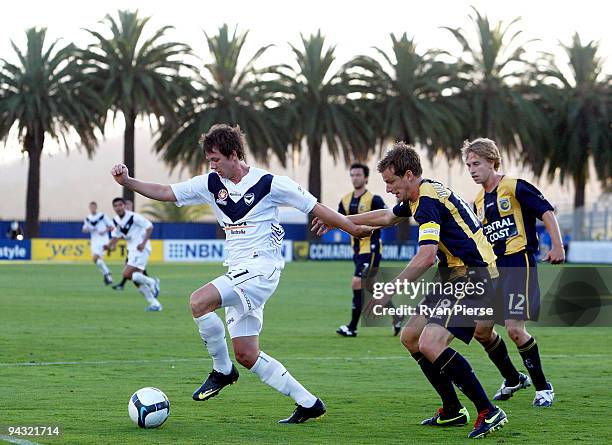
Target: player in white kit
(136, 230)
(245, 201)
(98, 225)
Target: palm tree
(490, 67)
(227, 92)
(43, 94)
(137, 76)
(317, 109)
(579, 105)
(168, 211)
(408, 95)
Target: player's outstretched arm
(331, 218)
(159, 192)
(375, 219)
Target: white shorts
(138, 259)
(244, 292)
(97, 248)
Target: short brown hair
(224, 138)
(401, 157)
(483, 147)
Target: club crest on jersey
(222, 197)
(249, 198)
(504, 204)
(361, 208)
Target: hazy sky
(353, 26)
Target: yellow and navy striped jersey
(350, 205)
(508, 214)
(445, 219)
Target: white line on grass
(16, 440)
(178, 360)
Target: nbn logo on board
(194, 250)
(15, 250)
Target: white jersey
(97, 225)
(247, 211)
(132, 228)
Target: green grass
(374, 391)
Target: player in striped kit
(245, 201)
(99, 226)
(508, 209)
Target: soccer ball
(149, 407)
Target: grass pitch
(73, 351)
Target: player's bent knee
(198, 304)
(246, 356)
(430, 348)
(410, 339)
(484, 335)
(425, 348)
(127, 274)
(203, 301)
(518, 334)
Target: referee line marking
(188, 360)
(16, 440)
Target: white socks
(212, 331)
(272, 372)
(269, 370)
(146, 291)
(140, 278)
(102, 266)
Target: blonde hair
(483, 147)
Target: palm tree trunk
(579, 213)
(314, 173)
(128, 150)
(314, 177)
(33, 145)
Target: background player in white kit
(245, 201)
(98, 225)
(136, 230)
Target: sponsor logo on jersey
(237, 229)
(501, 229)
(249, 198)
(504, 204)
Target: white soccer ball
(149, 407)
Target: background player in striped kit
(99, 226)
(366, 251)
(136, 230)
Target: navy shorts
(462, 323)
(518, 285)
(365, 262)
